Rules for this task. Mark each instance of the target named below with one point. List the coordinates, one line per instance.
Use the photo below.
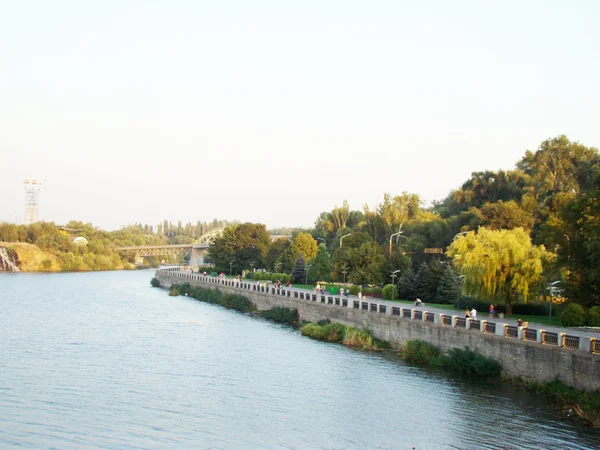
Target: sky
(274, 111)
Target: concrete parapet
(521, 333)
(501, 329)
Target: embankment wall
(529, 360)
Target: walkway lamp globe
(343, 238)
(230, 266)
(394, 275)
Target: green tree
(299, 272)
(306, 245)
(241, 245)
(449, 286)
(320, 269)
(407, 285)
(501, 265)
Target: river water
(102, 360)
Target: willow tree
(499, 264)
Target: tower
(32, 195)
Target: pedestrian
(342, 292)
(491, 311)
(467, 313)
(520, 322)
(474, 314)
(359, 295)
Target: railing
(549, 338)
(571, 342)
(530, 334)
(512, 331)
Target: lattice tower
(32, 197)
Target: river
(102, 360)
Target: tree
(505, 215)
(320, 269)
(299, 272)
(365, 263)
(449, 286)
(407, 285)
(500, 265)
(241, 245)
(306, 245)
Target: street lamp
(343, 238)
(393, 284)
(306, 267)
(251, 266)
(276, 266)
(344, 271)
(230, 265)
(399, 234)
(321, 239)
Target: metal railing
(446, 319)
(512, 331)
(595, 346)
(490, 327)
(429, 317)
(406, 313)
(549, 338)
(530, 334)
(395, 311)
(461, 322)
(418, 315)
(571, 342)
(475, 325)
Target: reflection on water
(102, 360)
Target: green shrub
(174, 292)
(573, 316)
(282, 315)
(237, 302)
(387, 292)
(154, 282)
(593, 318)
(354, 290)
(472, 363)
(362, 339)
(418, 352)
(331, 332)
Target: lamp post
(251, 266)
(343, 238)
(230, 266)
(321, 239)
(306, 267)
(276, 266)
(344, 271)
(399, 233)
(394, 284)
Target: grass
(34, 259)
(347, 335)
(542, 320)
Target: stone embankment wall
(519, 358)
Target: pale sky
(273, 111)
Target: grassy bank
(344, 334)
(281, 314)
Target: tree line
(504, 236)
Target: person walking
(491, 311)
(467, 313)
(474, 314)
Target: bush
(237, 302)
(362, 339)
(387, 292)
(282, 315)
(593, 318)
(331, 332)
(418, 352)
(154, 282)
(573, 316)
(472, 363)
(354, 290)
(174, 292)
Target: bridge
(197, 250)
